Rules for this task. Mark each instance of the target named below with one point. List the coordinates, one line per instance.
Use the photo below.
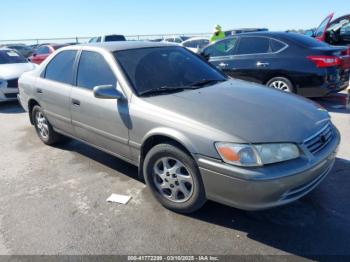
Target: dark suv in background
(285, 61)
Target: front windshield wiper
(205, 82)
(162, 89)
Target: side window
(42, 50)
(253, 45)
(94, 71)
(93, 40)
(276, 45)
(98, 40)
(190, 44)
(60, 68)
(224, 47)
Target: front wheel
(281, 83)
(174, 178)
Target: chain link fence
(84, 39)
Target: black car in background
(26, 51)
(286, 61)
(244, 30)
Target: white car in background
(175, 39)
(12, 66)
(107, 38)
(195, 44)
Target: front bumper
(269, 186)
(8, 94)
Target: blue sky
(66, 18)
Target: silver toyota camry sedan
(194, 133)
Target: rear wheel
(174, 178)
(281, 83)
(43, 127)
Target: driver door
(103, 123)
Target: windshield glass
(320, 30)
(162, 67)
(11, 57)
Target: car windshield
(160, 68)
(11, 57)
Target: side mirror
(107, 92)
(34, 54)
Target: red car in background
(336, 32)
(43, 51)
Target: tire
(179, 187)
(281, 83)
(44, 129)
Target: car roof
(197, 38)
(122, 45)
(282, 35)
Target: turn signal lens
(238, 154)
(228, 154)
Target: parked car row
(285, 61)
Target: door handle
(75, 102)
(262, 64)
(223, 65)
(39, 91)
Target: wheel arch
(164, 135)
(31, 103)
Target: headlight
(256, 155)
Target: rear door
(53, 90)
(101, 122)
(252, 58)
(320, 33)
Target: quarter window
(94, 71)
(253, 45)
(276, 45)
(60, 68)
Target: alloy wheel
(42, 125)
(172, 179)
(280, 85)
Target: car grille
(13, 83)
(319, 140)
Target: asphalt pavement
(53, 201)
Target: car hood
(250, 112)
(11, 71)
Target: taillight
(325, 61)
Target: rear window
(306, 41)
(11, 57)
(114, 38)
